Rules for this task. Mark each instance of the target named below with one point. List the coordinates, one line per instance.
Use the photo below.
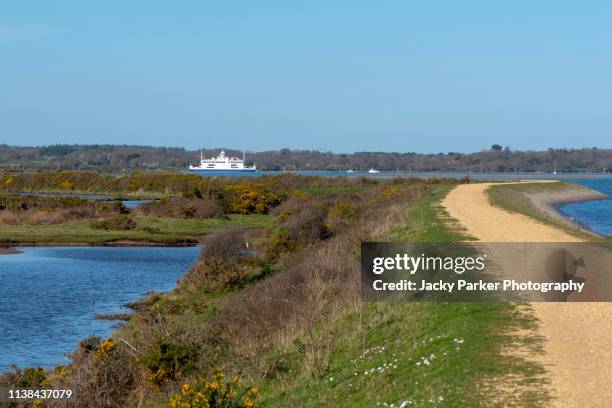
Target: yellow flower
(254, 391)
(105, 347)
(185, 389)
(248, 402)
(212, 385)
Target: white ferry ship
(222, 163)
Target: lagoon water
(50, 295)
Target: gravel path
(578, 336)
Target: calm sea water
(595, 215)
(50, 295)
(421, 174)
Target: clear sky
(424, 76)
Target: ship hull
(224, 170)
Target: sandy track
(578, 336)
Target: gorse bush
(223, 264)
(215, 274)
(341, 215)
(168, 361)
(217, 393)
(32, 377)
(248, 199)
(91, 343)
(102, 374)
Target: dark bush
(123, 222)
(215, 274)
(224, 245)
(304, 227)
(222, 263)
(168, 361)
(27, 378)
(90, 343)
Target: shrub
(111, 207)
(32, 377)
(340, 215)
(217, 393)
(224, 244)
(249, 199)
(91, 343)
(106, 347)
(123, 222)
(222, 262)
(169, 361)
(183, 208)
(201, 208)
(306, 226)
(294, 204)
(102, 374)
(216, 274)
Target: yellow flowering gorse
(216, 393)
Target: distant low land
(124, 157)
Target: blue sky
(341, 75)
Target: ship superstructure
(222, 163)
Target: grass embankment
(158, 230)
(430, 354)
(519, 198)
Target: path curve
(578, 336)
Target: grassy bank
(160, 230)
(421, 354)
(520, 198)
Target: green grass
(171, 230)
(377, 352)
(428, 222)
(378, 357)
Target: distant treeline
(116, 158)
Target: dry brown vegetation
(34, 210)
(183, 208)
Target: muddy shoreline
(9, 248)
(9, 251)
